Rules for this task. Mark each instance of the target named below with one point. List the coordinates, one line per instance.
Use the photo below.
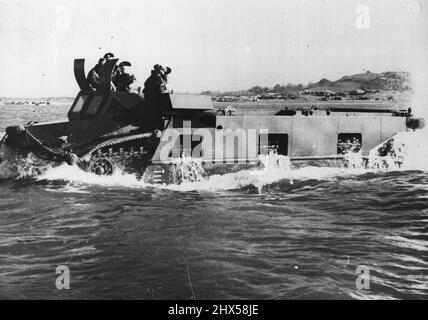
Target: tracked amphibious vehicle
(108, 131)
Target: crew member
(122, 79)
(164, 74)
(155, 85)
(94, 75)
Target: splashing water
(188, 169)
(14, 166)
(404, 151)
(410, 151)
(413, 148)
(274, 168)
(76, 175)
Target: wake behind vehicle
(109, 131)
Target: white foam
(415, 147)
(75, 175)
(277, 168)
(276, 171)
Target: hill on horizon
(385, 81)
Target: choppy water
(284, 234)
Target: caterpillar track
(115, 142)
(130, 153)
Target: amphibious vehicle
(108, 131)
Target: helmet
(108, 55)
(125, 64)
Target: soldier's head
(122, 65)
(108, 56)
(164, 72)
(157, 68)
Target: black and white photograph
(214, 150)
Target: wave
(278, 170)
(411, 147)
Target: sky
(209, 44)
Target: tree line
(257, 90)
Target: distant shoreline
(36, 98)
